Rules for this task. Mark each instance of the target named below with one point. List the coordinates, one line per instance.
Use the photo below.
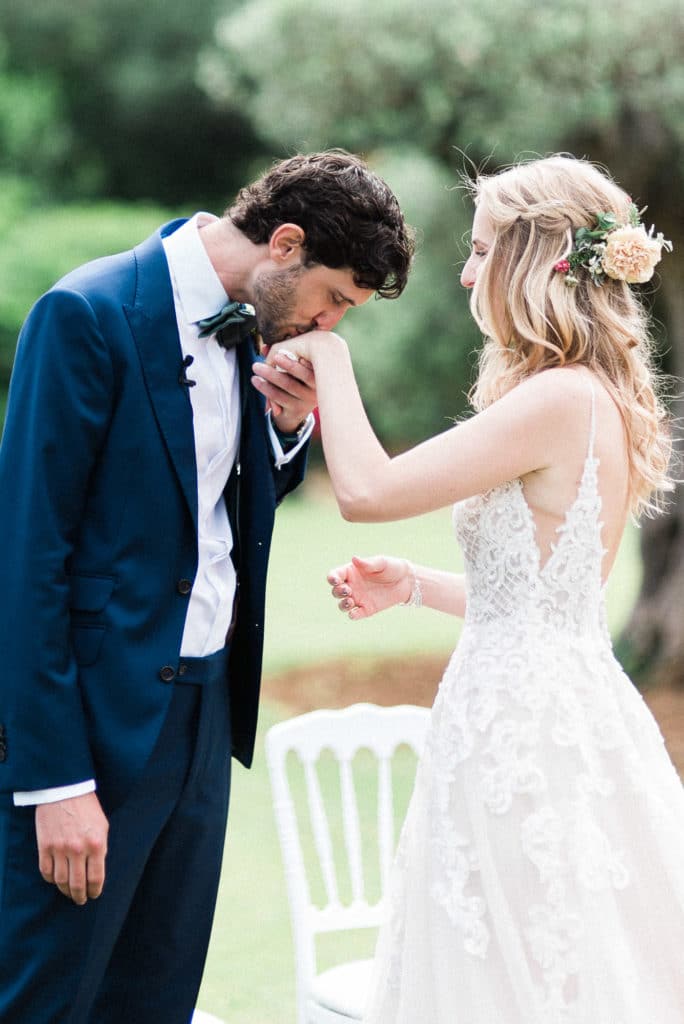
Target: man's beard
(274, 301)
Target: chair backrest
(344, 733)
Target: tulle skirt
(539, 877)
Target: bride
(539, 877)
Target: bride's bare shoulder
(562, 382)
(556, 396)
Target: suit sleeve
(58, 412)
(282, 456)
(289, 475)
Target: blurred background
(116, 116)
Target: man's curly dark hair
(349, 216)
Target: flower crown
(624, 252)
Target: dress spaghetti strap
(592, 424)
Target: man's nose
(327, 320)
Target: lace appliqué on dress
(503, 695)
(539, 748)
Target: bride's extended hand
(292, 349)
(303, 348)
(366, 586)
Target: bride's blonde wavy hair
(532, 320)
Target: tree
(497, 80)
(38, 245)
(130, 119)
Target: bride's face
(482, 241)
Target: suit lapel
(245, 357)
(152, 319)
(255, 446)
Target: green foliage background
(177, 105)
(116, 116)
(40, 242)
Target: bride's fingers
(289, 350)
(337, 577)
(301, 369)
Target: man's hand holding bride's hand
(366, 586)
(286, 378)
(287, 382)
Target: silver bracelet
(415, 599)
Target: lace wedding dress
(539, 877)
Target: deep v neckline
(562, 531)
(587, 489)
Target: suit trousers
(137, 953)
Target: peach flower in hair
(631, 254)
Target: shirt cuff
(50, 796)
(282, 458)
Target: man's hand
(72, 846)
(289, 388)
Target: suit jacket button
(167, 673)
(184, 587)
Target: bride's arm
(366, 586)
(512, 437)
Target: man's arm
(60, 401)
(58, 412)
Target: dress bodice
(505, 575)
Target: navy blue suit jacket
(98, 522)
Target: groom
(139, 474)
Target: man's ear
(286, 243)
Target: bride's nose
(468, 274)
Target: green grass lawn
(250, 977)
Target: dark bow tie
(232, 325)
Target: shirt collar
(198, 288)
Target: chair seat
(343, 989)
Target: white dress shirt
(215, 399)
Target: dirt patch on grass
(414, 680)
(668, 707)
